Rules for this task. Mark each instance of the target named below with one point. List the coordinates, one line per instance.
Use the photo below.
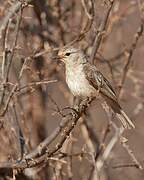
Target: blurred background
(33, 92)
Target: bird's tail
(126, 122)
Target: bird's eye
(67, 54)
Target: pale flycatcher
(86, 81)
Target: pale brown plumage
(84, 80)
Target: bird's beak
(55, 58)
(61, 57)
(58, 57)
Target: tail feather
(126, 122)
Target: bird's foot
(87, 101)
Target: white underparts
(77, 82)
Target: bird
(86, 81)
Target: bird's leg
(98, 90)
(87, 101)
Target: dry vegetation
(41, 135)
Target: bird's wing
(99, 82)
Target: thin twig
(129, 57)
(100, 32)
(3, 110)
(107, 151)
(130, 152)
(86, 10)
(14, 9)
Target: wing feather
(99, 82)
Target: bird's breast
(78, 84)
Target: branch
(103, 158)
(14, 9)
(42, 153)
(100, 33)
(129, 54)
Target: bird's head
(71, 55)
